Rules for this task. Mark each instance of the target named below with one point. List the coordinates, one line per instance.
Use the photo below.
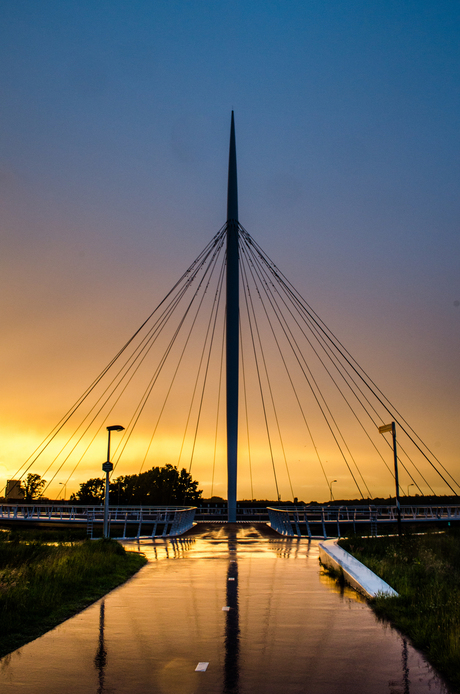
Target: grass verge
(43, 584)
(425, 571)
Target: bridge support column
(232, 328)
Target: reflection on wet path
(251, 607)
(100, 659)
(232, 628)
(405, 668)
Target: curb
(356, 574)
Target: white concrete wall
(356, 574)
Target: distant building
(14, 491)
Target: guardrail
(214, 513)
(124, 522)
(327, 521)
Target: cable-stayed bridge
(234, 376)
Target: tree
(158, 486)
(32, 487)
(91, 492)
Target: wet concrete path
(251, 608)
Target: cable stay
(317, 392)
(140, 353)
(245, 402)
(216, 430)
(312, 318)
(303, 396)
(209, 333)
(165, 356)
(185, 280)
(333, 357)
(267, 377)
(261, 392)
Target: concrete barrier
(356, 574)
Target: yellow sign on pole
(385, 428)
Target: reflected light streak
(100, 659)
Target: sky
(113, 162)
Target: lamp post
(65, 487)
(383, 430)
(330, 489)
(412, 484)
(107, 468)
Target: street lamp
(330, 489)
(65, 487)
(383, 430)
(107, 468)
(412, 484)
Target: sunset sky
(115, 124)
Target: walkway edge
(356, 574)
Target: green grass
(68, 534)
(43, 584)
(425, 571)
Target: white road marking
(201, 667)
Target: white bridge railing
(327, 521)
(126, 522)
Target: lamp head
(115, 427)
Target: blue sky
(113, 155)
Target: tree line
(159, 486)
